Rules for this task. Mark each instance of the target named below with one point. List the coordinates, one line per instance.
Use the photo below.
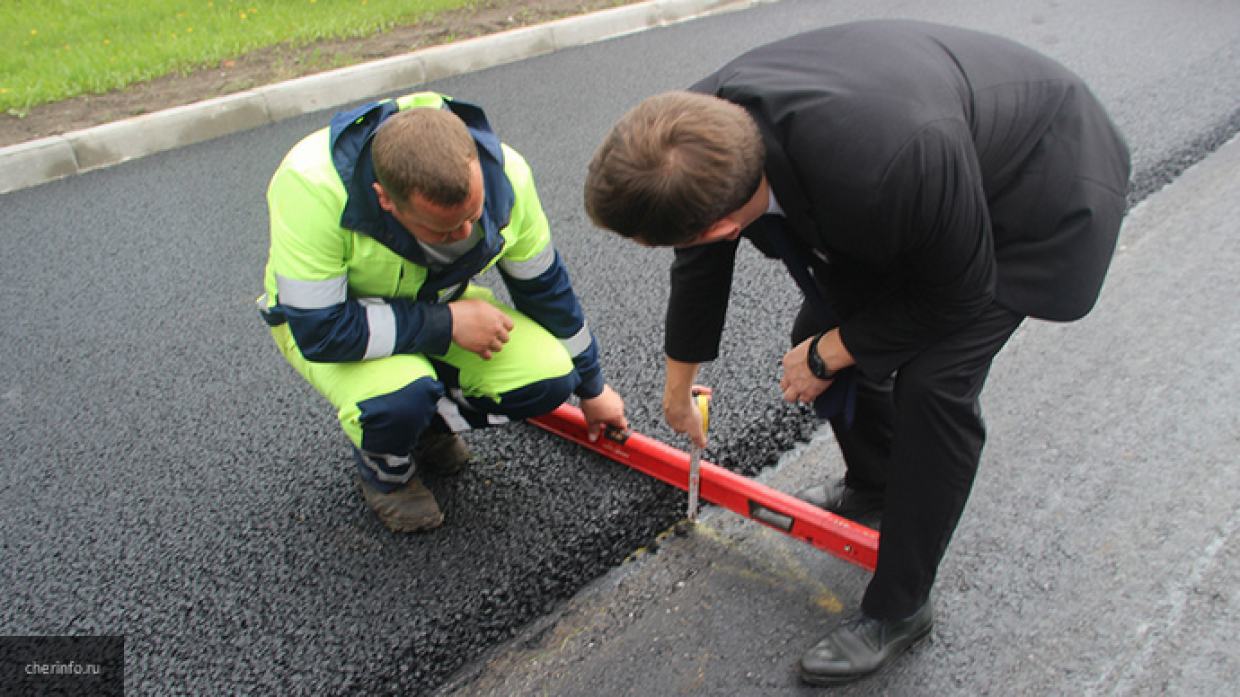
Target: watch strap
(817, 366)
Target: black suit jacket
(926, 171)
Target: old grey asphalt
(166, 478)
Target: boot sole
(424, 525)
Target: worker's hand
(681, 411)
(479, 326)
(798, 384)
(607, 409)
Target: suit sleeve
(930, 217)
(701, 284)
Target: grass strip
(59, 49)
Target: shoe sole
(425, 525)
(834, 680)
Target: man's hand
(479, 326)
(680, 409)
(798, 384)
(607, 409)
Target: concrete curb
(55, 157)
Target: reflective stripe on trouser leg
(458, 414)
(387, 473)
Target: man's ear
(725, 229)
(385, 201)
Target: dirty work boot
(862, 506)
(411, 508)
(862, 646)
(442, 453)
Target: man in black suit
(929, 187)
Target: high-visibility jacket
(353, 284)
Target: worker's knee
(535, 399)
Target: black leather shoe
(862, 646)
(858, 505)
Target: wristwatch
(817, 366)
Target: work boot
(442, 453)
(863, 506)
(411, 508)
(862, 646)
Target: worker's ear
(385, 201)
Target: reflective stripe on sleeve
(579, 342)
(311, 295)
(531, 268)
(382, 321)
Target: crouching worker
(379, 223)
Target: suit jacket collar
(784, 185)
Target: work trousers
(385, 404)
(918, 435)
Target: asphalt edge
(56, 157)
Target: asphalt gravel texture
(167, 477)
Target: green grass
(58, 49)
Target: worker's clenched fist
(479, 327)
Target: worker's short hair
(424, 151)
(672, 167)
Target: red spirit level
(840, 537)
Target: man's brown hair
(424, 151)
(672, 167)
